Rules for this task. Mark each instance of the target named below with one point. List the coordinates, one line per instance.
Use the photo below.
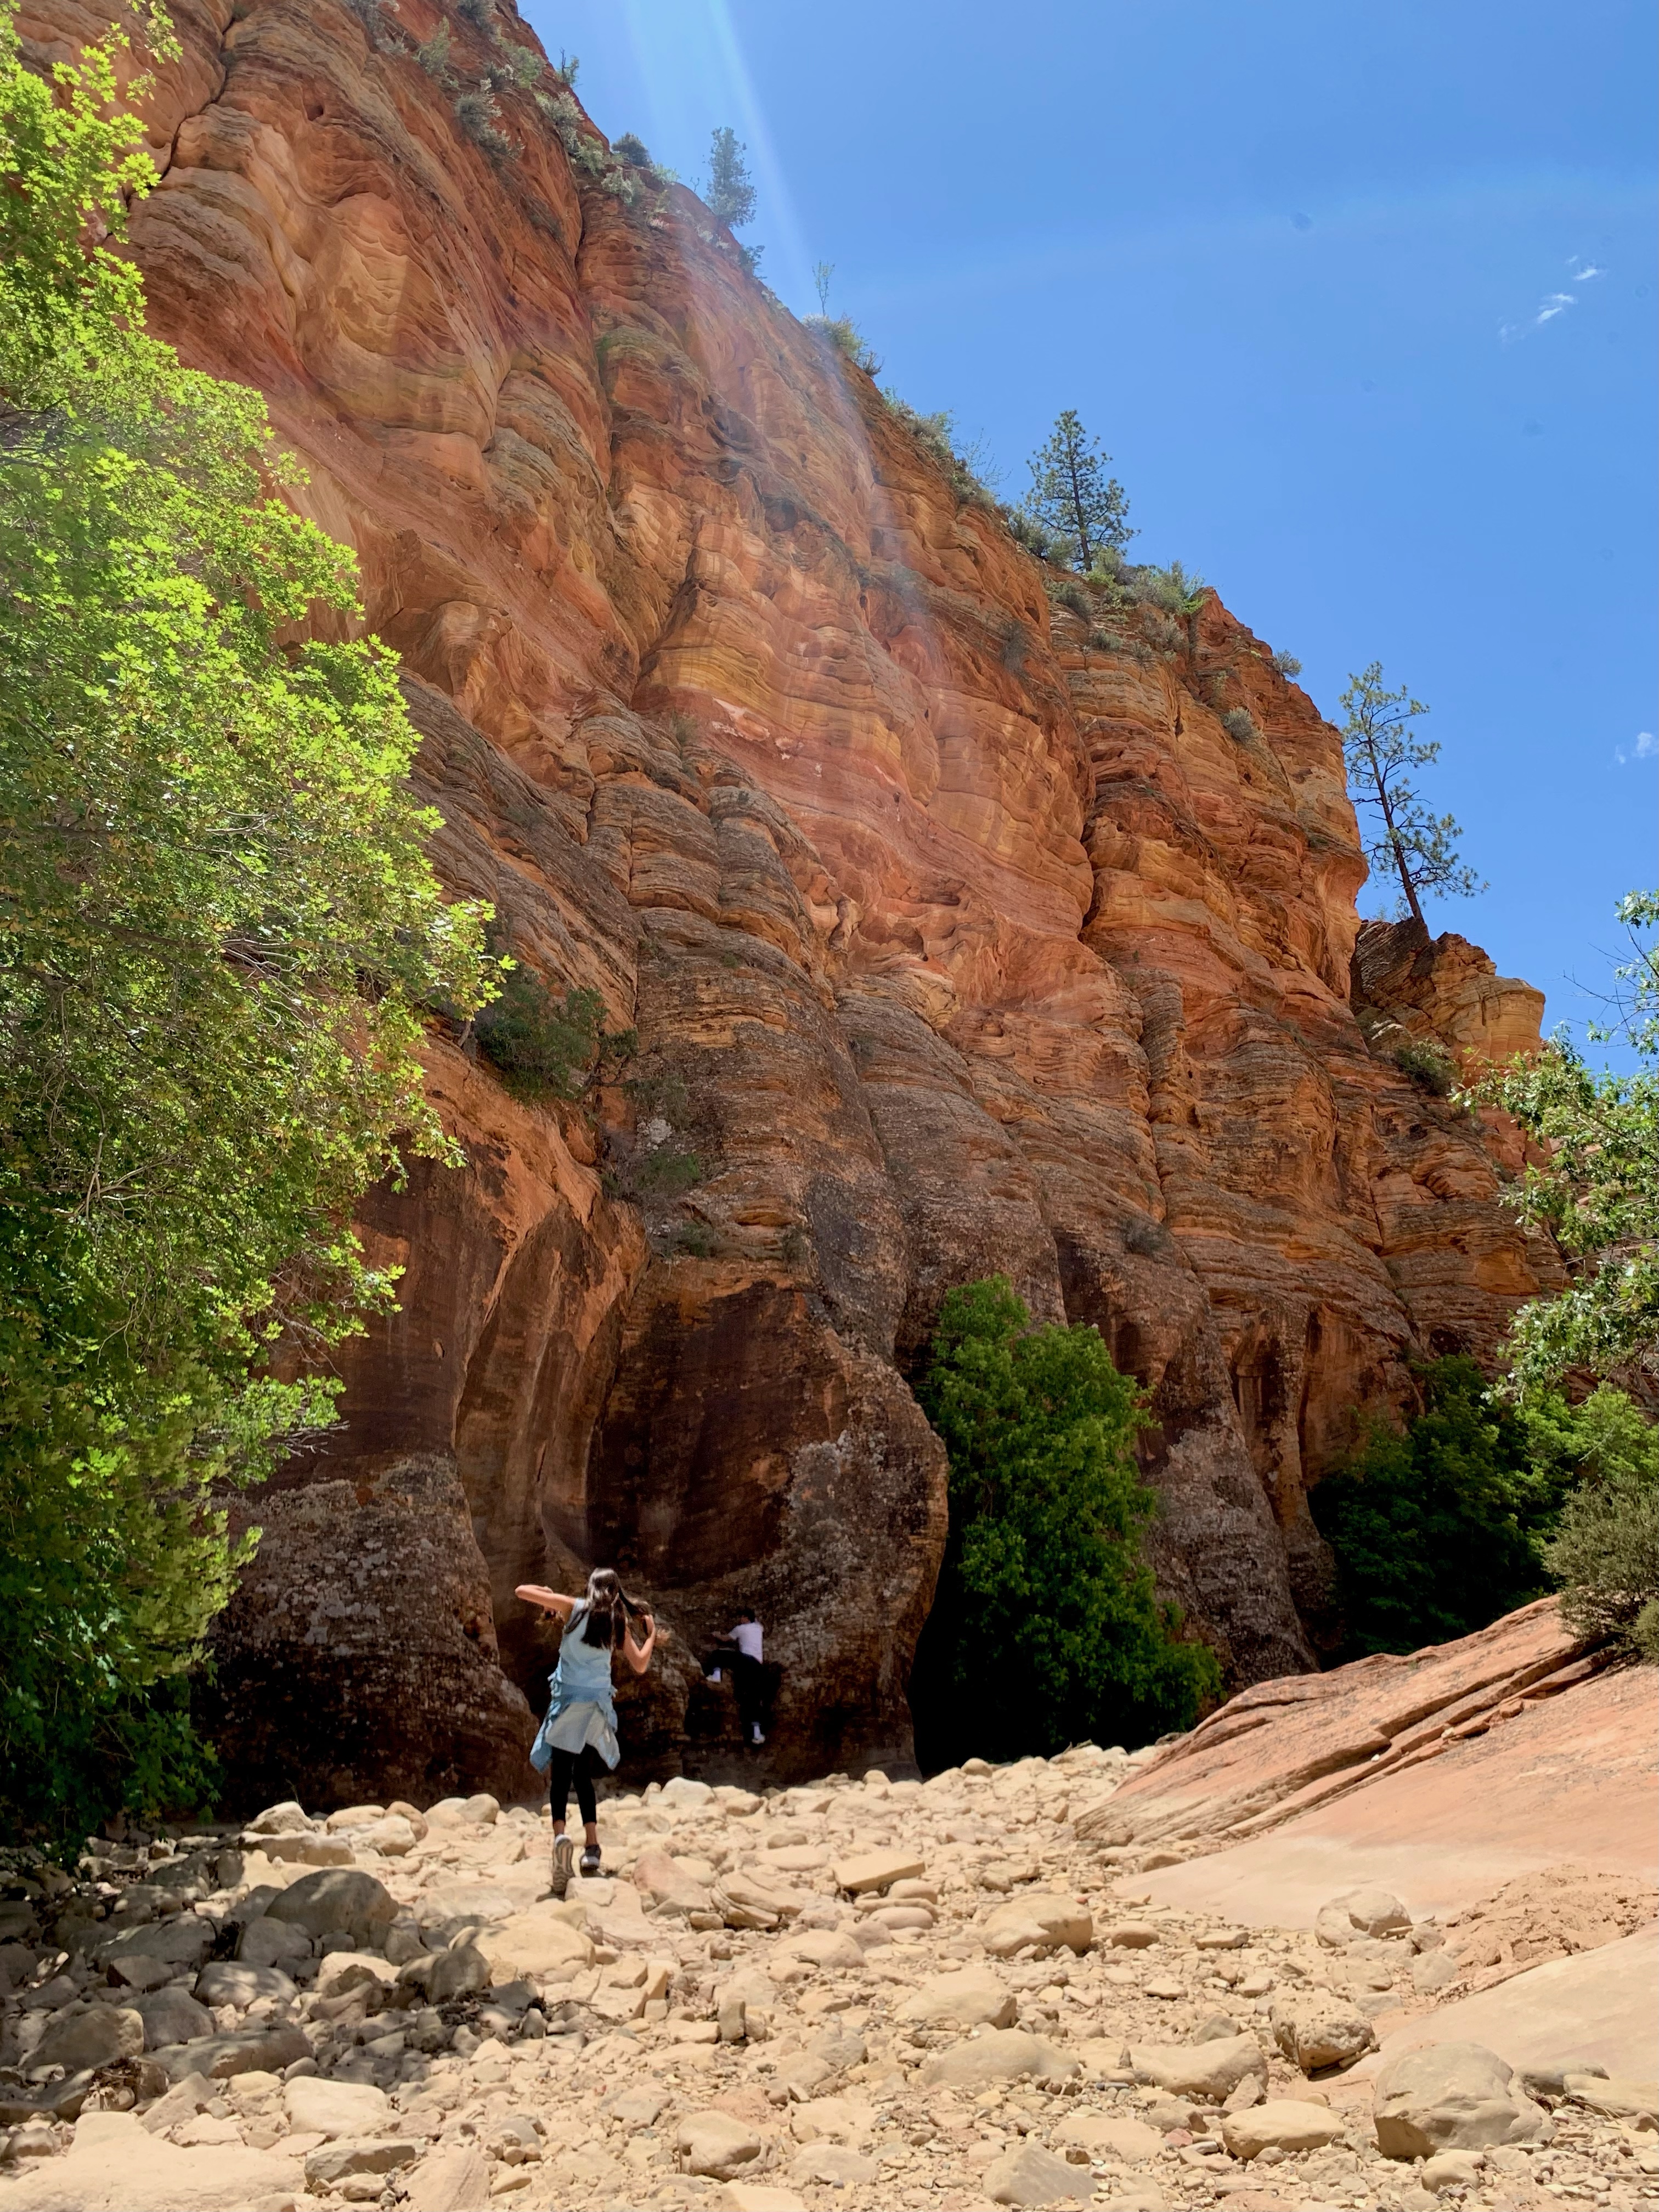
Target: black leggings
(579, 1767)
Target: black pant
(748, 1682)
(579, 1767)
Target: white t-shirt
(747, 1637)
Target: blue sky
(1320, 279)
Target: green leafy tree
(731, 196)
(1417, 847)
(1046, 1628)
(1437, 1529)
(1083, 510)
(218, 927)
(1605, 1551)
(1593, 1182)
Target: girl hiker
(582, 1716)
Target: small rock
(833, 2165)
(233, 1981)
(456, 2179)
(1433, 1969)
(1030, 2175)
(1614, 2100)
(1451, 2096)
(267, 1942)
(290, 1817)
(352, 1970)
(1280, 2123)
(1131, 1935)
(683, 1794)
(182, 2102)
(443, 1975)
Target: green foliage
(633, 149)
(1046, 1628)
(821, 272)
(217, 929)
(664, 1173)
(1605, 1551)
(1171, 589)
(481, 14)
(540, 1044)
(1240, 724)
(432, 54)
(1286, 663)
(1438, 1530)
(844, 335)
(937, 435)
(479, 117)
(1072, 498)
(524, 66)
(1427, 1064)
(567, 70)
(1416, 847)
(731, 195)
(1072, 595)
(1593, 1182)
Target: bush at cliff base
(1046, 1629)
(217, 925)
(1479, 1505)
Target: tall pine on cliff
(1046, 1629)
(217, 927)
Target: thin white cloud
(1556, 304)
(1582, 275)
(1644, 748)
(1553, 303)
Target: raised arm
(550, 1601)
(638, 1654)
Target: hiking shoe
(590, 1859)
(564, 1858)
(754, 1735)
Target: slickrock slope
(859, 1994)
(954, 940)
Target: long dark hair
(608, 1609)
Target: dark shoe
(590, 1859)
(564, 1855)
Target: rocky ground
(859, 1994)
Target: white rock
(1104, 2136)
(1042, 1917)
(1452, 2169)
(999, 2054)
(1316, 2028)
(1209, 2069)
(1360, 1913)
(290, 1817)
(682, 1794)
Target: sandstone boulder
(336, 2109)
(999, 2054)
(456, 2179)
(171, 2015)
(715, 2143)
(1316, 2028)
(1208, 2070)
(670, 1884)
(875, 1871)
(91, 2035)
(1038, 1918)
(233, 1981)
(1451, 2096)
(1103, 2135)
(1614, 2099)
(183, 1941)
(114, 2166)
(336, 1901)
(1279, 2123)
(973, 1998)
(290, 1817)
(269, 1942)
(1030, 2175)
(535, 1943)
(334, 2162)
(1357, 1913)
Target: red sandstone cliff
(954, 940)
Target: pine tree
(1072, 497)
(1416, 846)
(731, 194)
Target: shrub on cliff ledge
(1046, 1628)
(217, 927)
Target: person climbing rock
(580, 1722)
(747, 1678)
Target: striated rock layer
(957, 933)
